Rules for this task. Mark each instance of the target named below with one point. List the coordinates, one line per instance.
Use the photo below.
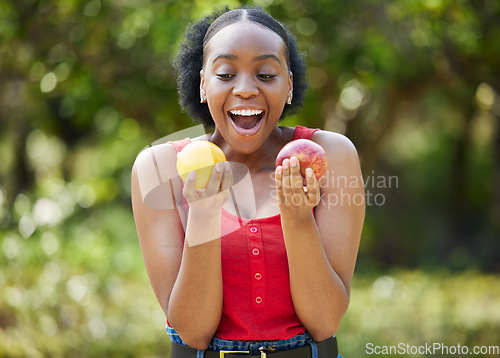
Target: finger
(214, 182)
(312, 186)
(189, 185)
(297, 195)
(227, 177)
(285, 175)
(278, 177)
(296, 180)
(285, 182)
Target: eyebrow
(255, 59)
(227, 57)
(265, 57)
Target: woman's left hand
(294, 198)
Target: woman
(271, 275)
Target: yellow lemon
(200, 156)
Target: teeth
(246, 112)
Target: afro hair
(189, 60)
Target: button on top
(255, 251)
(258, 299)
(258, 276)
(253, 229)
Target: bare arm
(322, 248)
(183, 265)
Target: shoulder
(335, 144)
(159, 159)
(150, 158)
(343, 160)
(153, 170)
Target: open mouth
(246, 122)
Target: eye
(225, 76)
(266, 77)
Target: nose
(245, 87)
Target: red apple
(310, 155)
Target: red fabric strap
(304, 132)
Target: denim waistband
(253, 347)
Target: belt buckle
(222, 353)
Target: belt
(326, 349)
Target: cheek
(216, 90)
(216, 98)
(278, 93)
(282, 87)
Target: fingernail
(286, 163)
(191, 175)
(309, 172)
(227, 166)
(279, 169)
(294, 161)
(218, 167)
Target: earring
(203, 96)
(289, 99)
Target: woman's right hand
(215, 195)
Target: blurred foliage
(85, 85)
(415, 308)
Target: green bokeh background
(85, 85)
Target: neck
(263, 158)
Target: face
(247, 82)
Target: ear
(202, 80)
(290, 89)
(203, 95)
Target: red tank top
(256, 284)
